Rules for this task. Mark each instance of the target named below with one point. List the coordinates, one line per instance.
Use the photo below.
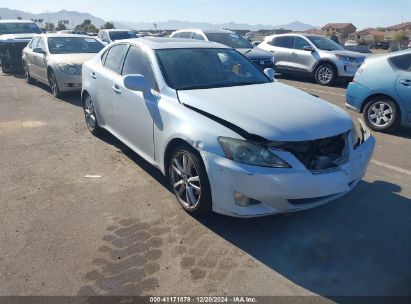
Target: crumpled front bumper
(282, 190)
(68, 82)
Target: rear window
(19, 28)
(402, 62)
(284, 41)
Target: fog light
(244, 201)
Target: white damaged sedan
(228, 138)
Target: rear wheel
(90, 116)
(53, 84)
(4, 68)
(325, 74)
(189, 180)
(382, 114)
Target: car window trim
(156, 88)
(122, 60)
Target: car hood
(274, 111)
(72, 58)
(255, 53)
(23, 37)
(348, 53)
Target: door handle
(93, 75)
(406, 82)
(116, 89)
(294, 53)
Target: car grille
(318, 156)
(263, 63)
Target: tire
(325, 74)
(90, 116)
(382, 114)
(27, 76)
(5, 69)
(189, 181)
(54, 87)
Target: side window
(402, 62)
(283, 41)
(104, 57)
(40, 44)
(33, 43)
(186, 35)
(176, 35)
(137, 62)
(197, 36)
(115, 57)
(100, 35)
(299, 43)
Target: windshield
(232, 40)
(201, 68)
(325, 43)
(71, 45)
(117, 35)
(19, 28)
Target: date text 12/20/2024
(224, 299)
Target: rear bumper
(11, 53)
(281, 190)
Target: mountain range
(77, 18)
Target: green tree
(401, 37)
(60, 25)
(108, 26)
(86, 26)
(49, 27)
(91, 28)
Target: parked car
(227, 137)
(112, 35)
(259, 57)
(72, 32)
(314, 55)
(382, 45)
(56, 60)
(14, 36)
(381, 90)
(351, 43)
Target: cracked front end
(321, 171)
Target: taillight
(359, 72)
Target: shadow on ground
(340, 83)
(357, 245)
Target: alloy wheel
(53, 84)
(90, 114)
(185, 180)
(380, 114)
(325, 74)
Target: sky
(362, 13)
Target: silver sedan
(56, 60)
(227, 136)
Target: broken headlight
(250, 153)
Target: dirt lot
(119, 231)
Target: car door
(134, 112)
(40, 61)
(403, 87)
(281, 50)
(301, 59)
(403, 83)
(29, 57)
(103, 78)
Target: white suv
(262, 59)
(321, 57)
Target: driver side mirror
(270, 73)
(308, 49)
(137, 82)
(39, 51)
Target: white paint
(92, 176)
(394, 168)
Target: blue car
(381, 90)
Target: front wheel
(189, 181)
(381, 114)
(325, 74)
(27, 76)
(54, 84)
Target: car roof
(15, 21)
(205, 31)
(117, 30)
(64, 35)
(158, 43)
